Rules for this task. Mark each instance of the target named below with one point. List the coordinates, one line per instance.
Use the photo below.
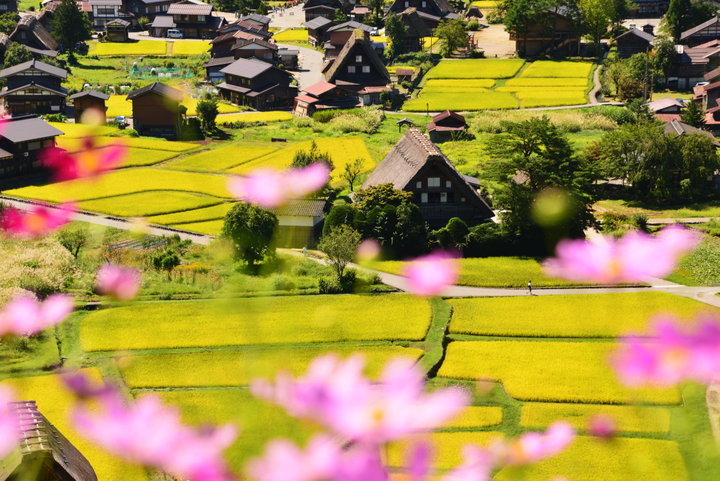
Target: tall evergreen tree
(676, 16)
(70, 26)
(395, 31)
(693, 115)
(597, 16)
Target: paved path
(311, 62)
(288, 18)
(593, 95)
(683, 220)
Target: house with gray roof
(432, 12)
(418, 166)
(634, 41)
(257, 84)
(194, 19)
(33, 87)
(300, 222)
(21, 141)
(703, 33)
(31, 33)
(156, 110)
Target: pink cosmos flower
(35, 222)
(25, 316)
(336, 394)
(675, 354)
(270, 188)
(602, 426)
(368, 250)
(122, 283)
(150, 433)
(89, 162)
(478, 465)
(9, 422)
(430, 275)
(534, 447)
(634, 257)
(324, 459)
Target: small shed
(404, 74)
(444, 124)
(117, 30)
(88, 99)
(156, 110)
(300, 222)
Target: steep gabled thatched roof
(414, 25)
(357, 39)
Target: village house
(300, 222)
(338, 36)
(430, 11)
(676, 128)
(241, 25)
(635, 41)
(667, 109)
(8, 6)
(649, 8)
(193, 19)
(257, 84)
(288, 57)
(326, 8)
(693, 63)
(444, 124)
(117, 30)
(31, 33)
(21, 141)
(33, 87)
(415, 30)
(317, 30)
(88, 100)
(404, 75)
(43, 450)
(221, 46)
(213, 68)
(703, 33)
(255, 48)
(256, 19)
(148, 8)
(103, 11)
(707, 96)
(156, 110)
(418, 166)
(323, 96)
(554, 33)
(359, 12)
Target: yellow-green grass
(116, 49)
(135, 157)
(485, 3)
(292, 35)
(393, 68)
(459, 84)
(476, 417)
(75, 143)
(240, 368)
(429, 42)
(700, 209)
(447, 448)
(380, 39)
(222, 158)
(672, 95)
(211, 227)
(627, 418)
(492, 272)
(551, 68)
(548, 371)
(127, 181)
(582, 315)
(118, 105)
(437, 101)
(547, 82)
(477, 68)
(82, 130)
(189, 47)
(260, 320)
(271, 116)
(342, 150)
(215, 212)
(259, 421)
(551, 97)
(148, 203)
(55, 402)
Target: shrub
(283, 283)
(473, 25)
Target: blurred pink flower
(324, 459)
(602, 426)
(122, 283)
(418, 466)
(36, 221)
(430, 275)
(634, 257)
(336, 394)
(9, 422)
(90, 162)
(534, 447)
(25, 316)
(271, 188)
(368, 250)
(150, 433)
(676, 353)
(478, 464)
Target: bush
(54, 118)
(283, 283)
(473, 25)
(302, 122)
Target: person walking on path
(530, 288)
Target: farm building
(31, 33)
(415, 30)
(634, 41)
(256, 19)
(103, 11)
(325, 8)
(214, 66)
(21, 140)
(221, 46)
(338, 36)
(676, 128)
(88, 100)
(255, 48)
(431, 11)
(650, 8)
(156, 110)
(666, 109)
(117, 30)
(194, 19)
(322, 96)
(148, 8)
(359, 12)
(554, 33)
(44, 451)
(444, 124)
(703, 33)
(257, 84)
(33, 87)
(417, 165)
(300, 222)
(317, 30)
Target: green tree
(676, 17)
(452, 35)
(640, 111)
(340, 245)
(521, 15)
(166, 260)
(395, 31)
(352, 171)
(70, 26)
(664, 56)
(251, 231)
(73, 239)
(16, 54)
(693, 114)
(380, 196)
(340, 16)
(303, 158)
(597, 17)
(207, 111)
(376, 7)
(620, 11)
(342, 214)
(8, 22)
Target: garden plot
(590, 316)
(215, 212)
(247, 117)
(239, 367)
(118, 105)
(548, 371)
(210, 227)
(639, 419)
(82, 130)
(189, 47)
(551, 68)
(261, 320)
(476, 69)
(292, 35)
(476, 417)
(75, 143)
(223, 158)
(148, 203)
(122, 49)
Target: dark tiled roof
(318, 22)
(448, 114)
(319, 88)
(356, 39)
(352, 25)
(62, 91)
(90, 93)
(256, 17)
(119, 21)
(637, 33)
(163, 21)
(37, 64)
(247, 67)
(234, 88)
(158, 88)
(303, 208)
(217, 61)
(414, 25)
(256, 41)
(677, 129)
(23, 130)
(39, 51)
(697, 28)
(182, 8)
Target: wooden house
(288, 57)
(255, 48)
(221, 46)
(418, 166)
(300, 222)
(554, 33)
(649, 8)
(667, 109)
(257, 84)
(317, 30)
(256, 19)
(156, 110)
(43, 451)
(323, 96)
(359, 69)
(359, 12)
(104, 11)
(707, 95)
(242, 25)
(430, 11)
(634, 41)
(676, 128)
(193, 19)
(33, 87)
(703, 33)
(338, 36)
(88, 100)
(7, 6)
(215, 65)
(21, 141)
(325, 8)
(692, 64)
(117, 30)
(415, 30)
(148, 8)
(444, 124)
(31, 33)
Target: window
(424, 198)
(418, 184)
(424, 4)
(448, 184)
(201, 18)
(462, 199)
(366, 68)
(358, 58)
(34, 146)
(443, 197)
(407, 4)
(433, 181)
(351, 68)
